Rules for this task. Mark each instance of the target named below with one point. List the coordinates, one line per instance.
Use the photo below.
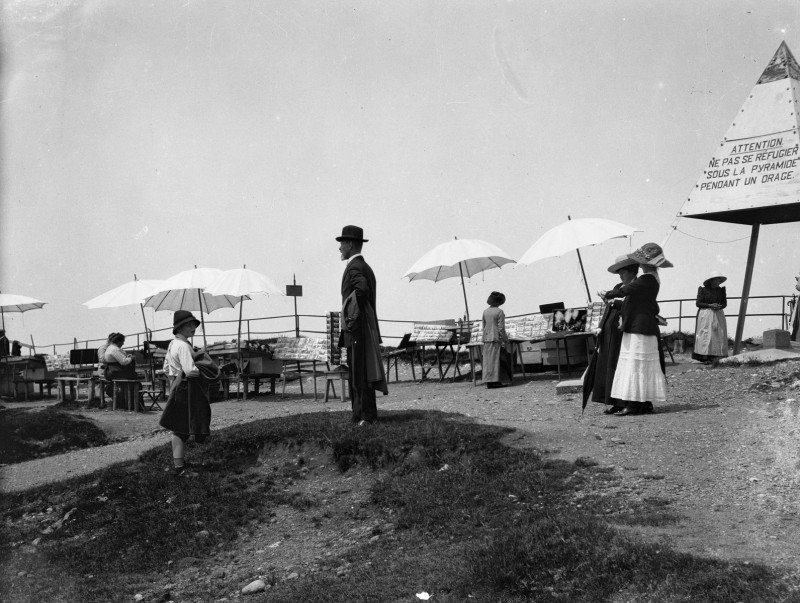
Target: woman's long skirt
(710, 335)
(491, 361)
(188, 410)
(639, 377)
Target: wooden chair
(406, 346)
(331, 377)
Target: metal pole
(296, 317)
(202, 322)
(748, 277)
(464, 289)
(580, 261)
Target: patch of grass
(27, 434)
(475, 520)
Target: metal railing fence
(680, 314)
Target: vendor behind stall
(119, 364)
(4, 344)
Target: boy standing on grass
(188, 410)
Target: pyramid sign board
(754, 176)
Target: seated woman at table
(119, 364)
(495, 339)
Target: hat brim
(185, 321)
(626, 263)
(340, 239)
(722, 279)
(660, 261)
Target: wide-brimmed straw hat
(352, 233)
(182, 317)
(496, 299)
(621, 262)
(650, 254)
(715, 274)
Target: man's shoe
(362, 423)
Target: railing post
(680, 316)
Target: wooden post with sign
(294, 290)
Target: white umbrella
(132, 292)
(17, 303)
(186, 291)
(459, 257)
(242, 282)
(574, 234)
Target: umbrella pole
(144, 320)
(239, 346)
(464, 289)
(580, 261)
(202, 322)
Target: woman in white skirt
(639, 380)
(711, 332)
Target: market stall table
(564, 338)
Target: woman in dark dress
(610, 338)
(711, 331)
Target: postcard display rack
(333, 328)
(534, 334)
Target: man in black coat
(360, 332)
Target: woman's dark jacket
(707, 296)
(639, 309)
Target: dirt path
(723, 452)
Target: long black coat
(609, 342)
(360, 330)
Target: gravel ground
(722, 452)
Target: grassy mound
(475, 520)
(30, 433)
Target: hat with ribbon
(650, 254)
(496, 299)
(621, 262)
(352, 233)
(182, 317)
(715, 274)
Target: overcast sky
(148, 137)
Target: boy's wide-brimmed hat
(182, 317)
(352, 233)
(650, 254)
(621, 262)
(715, 274)
(496, 299)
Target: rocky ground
(722, 454)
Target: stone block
(572, 386)
(776, 338)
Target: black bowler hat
(180, 318)
(352, 233)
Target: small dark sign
(294, 290)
